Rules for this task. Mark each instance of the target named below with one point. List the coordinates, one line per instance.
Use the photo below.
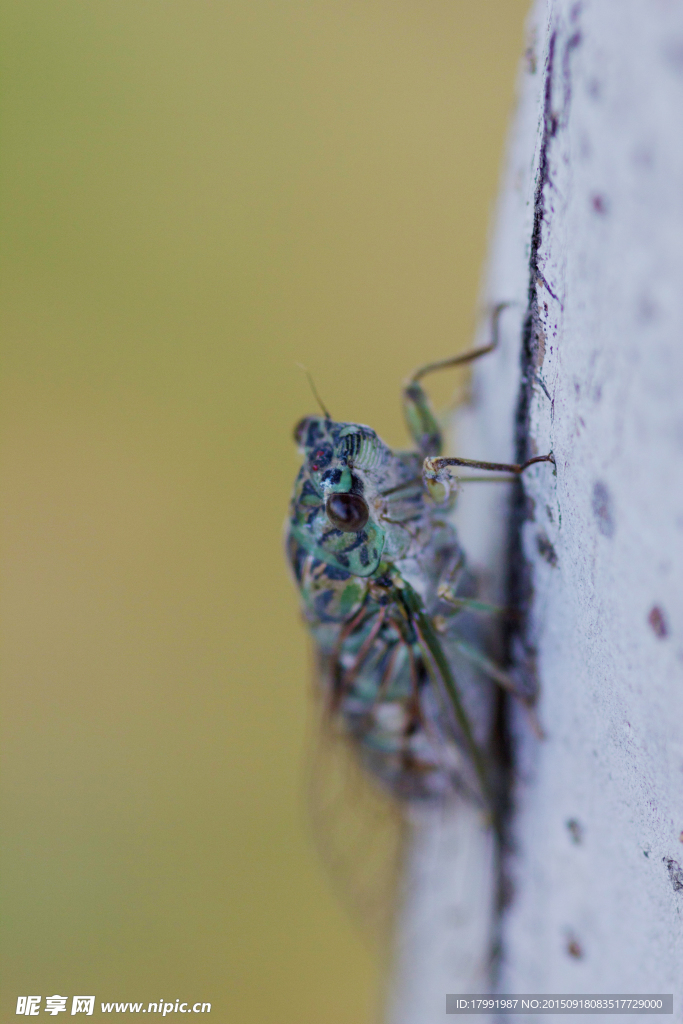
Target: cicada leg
(503, 678)
(448, 601)
(422, 423)
(464, 604)
(440, 483)
(432, 466)
(455, 604)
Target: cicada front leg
(440, 482)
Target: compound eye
(348, 512)
(300, 431)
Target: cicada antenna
(314, 390)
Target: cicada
(388, 599)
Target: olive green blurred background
(195, 197)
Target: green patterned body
(370, 597)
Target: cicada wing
(359, 829)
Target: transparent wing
(360, 830)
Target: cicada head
(333, 512)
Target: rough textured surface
(588, 246)
(599, 224)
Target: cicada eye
(348, 512)
(300, 430)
